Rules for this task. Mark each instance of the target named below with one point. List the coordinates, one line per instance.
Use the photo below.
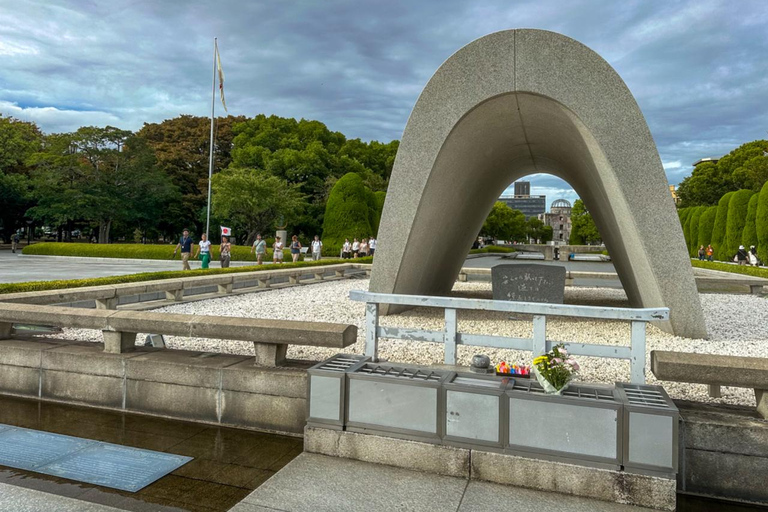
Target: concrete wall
(212, 388)
(529, 101)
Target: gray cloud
(697, 68)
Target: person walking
(317, 248)
(355, 247)
(709, 252)
(741, 256)
(204, 251)
(185, 244)
(14, 242)
(225, 252)
(371, 246)
(701, 253)
(295, 248)
(346, 250)
(277, 251)
(260, 248)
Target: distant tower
(522, 188)
(559, 217)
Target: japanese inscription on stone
(528, 283)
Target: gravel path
(737, 325)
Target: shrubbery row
(740, 218)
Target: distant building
(675, 197)
(531, 206)
(559, 217)
(707, 159)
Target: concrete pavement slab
(20, 499)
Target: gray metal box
(327, 385)
(582, 425)
(650, 430)
(395, 401)
(475, 410)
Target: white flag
(221, 77)
(226, 231)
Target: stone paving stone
(20, 499)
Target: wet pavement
(228, 463)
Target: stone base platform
(599, 484)
(212, 388)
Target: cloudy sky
(699, 69)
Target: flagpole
(210, 158)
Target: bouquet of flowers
(555, 369)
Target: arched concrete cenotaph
(514, 103)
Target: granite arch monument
(528, 101)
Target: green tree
(19, 140)
(583, 228)
(253, 200)
(749, 235)
(706, 225)
(349, 213)
(181, 146)
(737, 216)
(505, 223)
(718, 231)
(693, 230)
(761, 224)
(535, 230)
(547, 233)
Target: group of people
(354, 249)
(358, 249)
(742, 256)
(203, 251)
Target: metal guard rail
(538, 344)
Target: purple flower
(556, 360)
(563, 352)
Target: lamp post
(29, 232)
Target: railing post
(539, 345)
(449, 336)
(371, 331)
(637, 351)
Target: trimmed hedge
(131, 251)
(693, 230)
(718, 231)
(707, 225)
(686, 224)
(492, 248)
(734, 269)
(749, 235)
(349, 213)
(737, 216)
(32, 286)
(761, 224)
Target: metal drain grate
(574, 391)
(645, 396)
(400, 373)
(339, 363)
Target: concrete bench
(716, 371)
(270, 337)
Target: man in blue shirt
(185, 244)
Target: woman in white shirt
(363, 251)
(277, 251)
(204, 250)
(355, 247)
(346, 249)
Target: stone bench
(270, 337)
(716, 371)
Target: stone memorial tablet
(528, 283)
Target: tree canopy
(583, 228)
(505, 223)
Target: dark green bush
(707, 225)
(31, 286)
(349, 213)
(718, 231)
(761, 224)
(737, 216)
(130, 251)
(693, 230)
(749, 235)
(685, 222)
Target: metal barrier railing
(538, 344)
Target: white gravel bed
(737, 325)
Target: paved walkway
(320, 483)
(20, 499)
